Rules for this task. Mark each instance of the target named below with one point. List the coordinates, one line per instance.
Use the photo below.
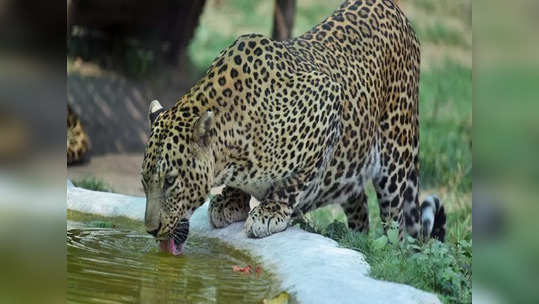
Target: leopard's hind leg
(397, 182)
(357, 213)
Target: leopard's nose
(156, 231)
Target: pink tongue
(170, 246)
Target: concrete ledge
(310, 266)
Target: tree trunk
(183, 31)
(283, 19)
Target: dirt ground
(119, 171)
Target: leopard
(78, 141)
(296, 124)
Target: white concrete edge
(311, 267)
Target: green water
(124, 265)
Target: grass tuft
(99, 221)
(442, 268)
(93, 183)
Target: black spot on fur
(409, 194)
(241, 46)
(237, 59)
(438, 229)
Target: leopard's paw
(225, 210)
(266, 219)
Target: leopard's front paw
(267, 218)
(224, 210)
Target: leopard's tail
(433, 218)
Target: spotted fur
(78, 142)
(298, 124)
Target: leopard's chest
(257, 190)
(235, 176)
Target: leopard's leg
(275, 211)
(302, 165)
(397, 181)
(357, 213)
(268, 218)
(396, 184)
(232, 205)
(398, 201)
(397, 192)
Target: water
(112, 265)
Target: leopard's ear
(155, 110)
(203, 128)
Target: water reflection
(111, 265)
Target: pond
(121, 263)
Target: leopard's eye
(169, 181)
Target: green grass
(206, 46)
(220, 26)
(441, 268)
(460, 9)
(440, 33)
(446, 127)
(428, 6)
(99, 221)
(93, 183)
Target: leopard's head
(177, 171)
